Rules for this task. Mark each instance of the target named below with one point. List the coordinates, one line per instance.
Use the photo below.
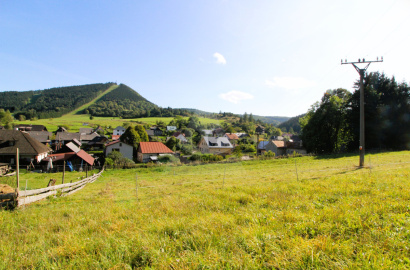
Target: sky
(266, 57)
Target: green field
(296, 213)
(75, 122)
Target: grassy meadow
(76, 121)
(296, 213)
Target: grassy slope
(79, 109)
(252, 215)
(75, 122)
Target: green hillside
(292, 124)
(49, 103)
(122, 101)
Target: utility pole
(361, 72)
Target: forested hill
(125, 102)
(50, 103)
(291, 125)
(122, 101)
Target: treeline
(126, 103)
(247, 123)
(333, 125)
(292, 125)
(50, 103)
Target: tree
(142, 133)
(131, 137)
(387, 107)
(5, 117)
(173, 144)
(325, 127)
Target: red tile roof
(154, 148)
(115, 137)
(232, 136)
(86, 157)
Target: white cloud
(235, 96)
(289, 82)
(220, 59)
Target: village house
(180, 136)
(232, 137)
(260, 129)
(74, 161)
(150, 151)
(277, 147)
(25, 127)
(154, 131)
(171, 128)
(125, 149)
(30, 150)
(215, 145)
(262, 147)
(117, 132)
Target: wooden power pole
(361, 72)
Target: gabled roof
(120, 128)
(279, 143)
(41, 136)
(10, 140)
(86, 157)
(217, 142)
(154, 148)
(73, 147)
(262, 145)
(66, 156)
(67, 136)
(86, 130)
(232, 136)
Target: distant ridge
(275, 120)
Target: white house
(119, 130)
(125, 149)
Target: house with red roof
(150, 151)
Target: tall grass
(251, 215)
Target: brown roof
(154, 148)
(66, 156)
(232, 136)
(115, 137)
(86, 157)
(279, 143)
(25, 127)
(10, 140)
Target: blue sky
(272, 58)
